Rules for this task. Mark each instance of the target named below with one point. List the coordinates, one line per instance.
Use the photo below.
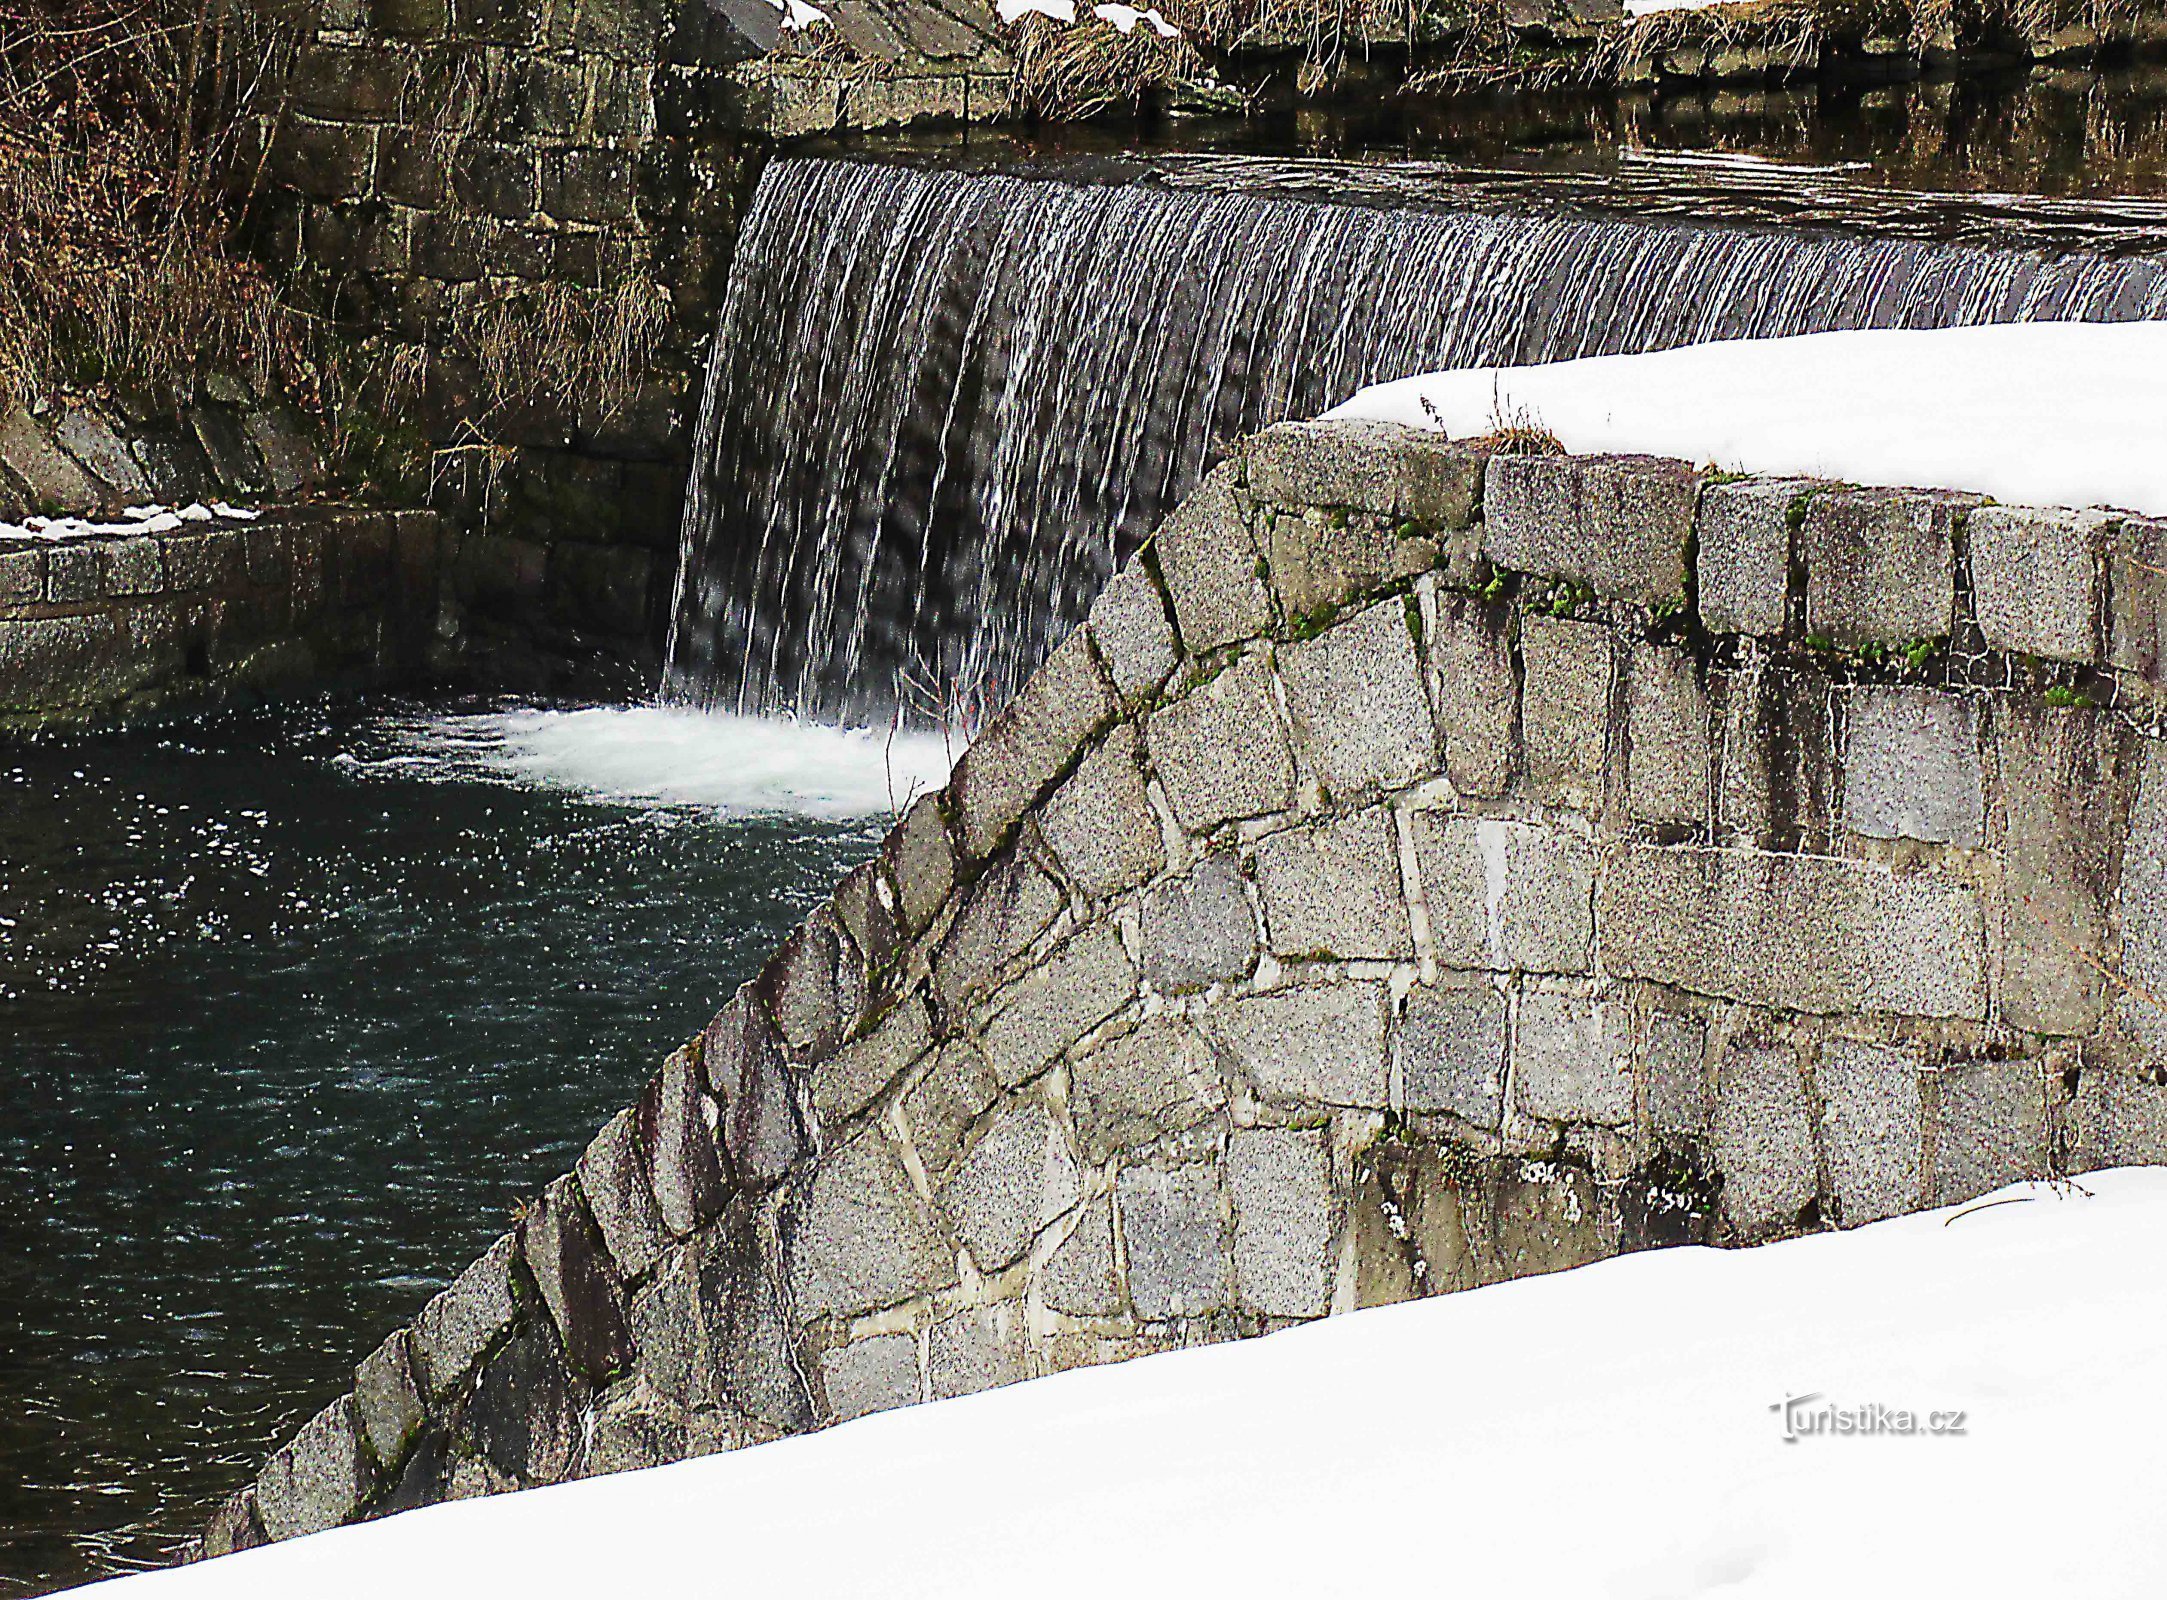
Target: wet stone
(677, 1123)
(757, 1123)
(524, 1420)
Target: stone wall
(1425, 868)
(100, 626)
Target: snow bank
(2038, 413)
(134, 522)
(1607, 1431)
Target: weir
(944, 404)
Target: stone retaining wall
(1425, 868)
(98, 627)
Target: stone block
(233, 1525)
(1477, 694)
(1198, 929)
(578, 1282)
(1079, 1278)
(205, 561)
(2116, 1119)
(672, 1331)
(1323, 560)
(975, 1350)
(1355, 698)
(1219, 750)
(587, 185)
(1452, 1051)
(1155, 1081)
(1049, 1008)
(131, 567)
(851, 1079)
(866, 908)
(1762, 1139)
(97, 444)
(1745, 553)
(1506, 896)
(1990, 1128)
(316, 1482)
(1546, 1217)
(876, 1374)
(1880, 565)
(1674, 1094)
(73, 574)
(459, 1325)
(2035, 579)
(22, 576)
(633, 1430)
(942, 1106)
(50, 477)
(1285, 1224)
(1173, 1224)
(1016, 1179)
(1793, 932)
(1321, 1045)
(996, 923)
(1130, 626)
(1210, 563)
(1333, 890)
(2136, 623)
(742, 1060)
(1911, 766)
(922, 859)
(1572, 1059)
(2141, 906)
(677, 1119)
(814, 987)
(1667, 732)
(387, 1403)
(2064, 783)
(1384, 468)
(1565, 709)
(860, 1239)
(613, 1177)
(1872, 1130)
(409, 19)
(749, 1331)
(1620, 524)
(325, 160)
(1031, 743)
(1100, 824)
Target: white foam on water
(670, 756)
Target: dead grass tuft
(1064, 71)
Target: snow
(798, 16)
(135, 521)
(1125, 19)
(1016, 10)
(1648, 8)
(2036, 413)
(1616, 1430)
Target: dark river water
(293, 1009)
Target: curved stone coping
(1424, 868)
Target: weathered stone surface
(613, 1176)
(1745, 552)
(922, 856)
(876, 1374)
(1565, 709)
(579, 1283)
(1017, 1178)
(2141, 909)
(387, 1403)
(669, 1326)
(1452, 1051)
(1911, 766)
(2063, 782)
(757, 1119)
(1880, 567)
(851, 1079)
(677, 1121)
(1620, 524)
(97, 444)
(1174, 1227)
(1762, 1139)
(941, 1106)
(524, 1422)
(975, 1350)
(1478, 697)
(868, 911)
(1158, 1079)
(1355, 697)
(1079, 1278)
(1990, 1128)
(1280, 1183)
(1383, 468)
(1333, 890)
(634, 1430)
(2136, 620)
(1675, 1096)
(315, 1482)
(233, 1525)
(1100, 824)
(1199, 929)
(998, 919)
(1572, 1059)
(1410, 1221)
(1873, 1129)
(1802, 933)
(22, 576)
(1506, 896)
(1134, 635)
(1667, 734)
(2035, 579)
(49, 475)
(813, 989)
(131, 567)
(1210, 562)
(459, 1325)
(1031, 743)
(747, 1319)
(2116, 1119)
(1050, 1007)
(1219, 750)
(1321, 560)
(1545, 1217)
(861, 1238)
(1323, 1044)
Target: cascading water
(942, 405)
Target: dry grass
(1065, 72)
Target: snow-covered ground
(2037, 413)
(1616, 1431)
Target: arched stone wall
(1427, 867)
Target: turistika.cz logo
(1815, 1416)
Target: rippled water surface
(295, 1007)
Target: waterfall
(943, 404)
